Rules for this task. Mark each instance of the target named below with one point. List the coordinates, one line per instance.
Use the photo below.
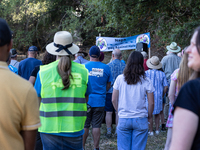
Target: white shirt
(132, 103)
(14, 63)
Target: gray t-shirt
(169, 64)
(131, 102)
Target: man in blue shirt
(117, 68)
(27, 65)
(100, 79)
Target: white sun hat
(173, 47)
(62, 44)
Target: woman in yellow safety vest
(62, 86)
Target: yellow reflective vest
(63, 110)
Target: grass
(156, 142)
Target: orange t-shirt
(19, 109)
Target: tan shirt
(19, 109)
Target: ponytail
(64, 70)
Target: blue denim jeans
(54, 142)
(132, 133)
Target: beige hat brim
(149, 65)
(171, 50)
(52, 49)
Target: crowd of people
(49, 104)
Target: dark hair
(196, 74)
(48, 58)
(134, 69)
(198, 39)
(64, 70)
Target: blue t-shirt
(13, 69)
(99, 76)
(26, 66)
(123, 61)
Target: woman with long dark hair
(128, 98)
(186, 125)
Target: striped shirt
(159, 81)
(117, 68)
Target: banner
(125, 43)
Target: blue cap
(32, 48)
(5, 33)
(94, 52)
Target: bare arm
(165, 90)
(32, 79)
(29, 137)
(108, 86)
(115, 97)
(150, 97)
(172, 90)
(184, 129)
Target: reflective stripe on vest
(63, 113)
(63, 100)
(63, 110)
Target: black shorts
(95, 117)
(108, 105)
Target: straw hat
(62, 44)
(154, 63)
(173, 47)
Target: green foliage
(34, 22)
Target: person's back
(14, 61)
(132, 102)
(27, 65)
(171, 61)
(80, 60)
(99, 75)
(128, 99)
(15, 116)
(158, 79)
(117, 68)
(19, 114)
(52, 84)
(79, 57)
(99, 79)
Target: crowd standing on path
(69, 96)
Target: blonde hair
(184, 71)
(64, 70)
